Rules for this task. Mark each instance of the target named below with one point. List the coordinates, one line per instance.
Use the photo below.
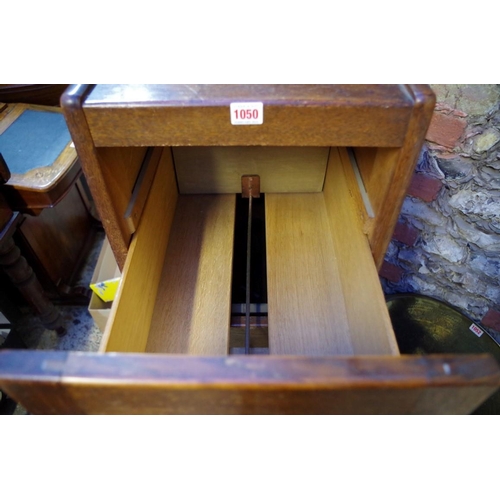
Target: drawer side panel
(369, 323)
(130, 317)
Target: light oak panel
(120, 168)
(218, 170)
(193, 305)
(128, 326)
(141, 189)
(369, 323)
(305, 299)
(377, 168)
(395, 168)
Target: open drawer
(324, 295)
(330, 345)
(331, 348)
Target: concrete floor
(81, 332)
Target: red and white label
(247, 113)
(474, 328)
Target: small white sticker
(247, 113)
(474, 328)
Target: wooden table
(18, 270)
(45, 185)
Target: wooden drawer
(324, 296)
(331, 347)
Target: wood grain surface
(45, 185)
(380, 116)
(294, 115)
(142, 185)
(76, 382)
(219, 170)
(128, 325)
(120, 168)
(193, 305)
(57, 241)
(118, 235)
(401, 165)
(305, 299)
(369, 323)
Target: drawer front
(294, 115)
(82, 383)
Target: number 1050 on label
(247, 113)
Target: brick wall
(447, 241)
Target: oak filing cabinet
(164, 164)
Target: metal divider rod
(247, 290)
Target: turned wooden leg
(22, 276)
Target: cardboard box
(105, 269)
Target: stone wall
(447, 241)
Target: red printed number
(246, 114)
(476, 330)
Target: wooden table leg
(22, 276)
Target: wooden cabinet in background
(45, 94)
(47, 186)
(57, 241)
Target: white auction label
(247, 113)
(474, 328)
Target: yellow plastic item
(106, 290)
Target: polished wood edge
(71, 103)
(12, 113)
(225, 102)
(49, 176)
(30, 201)
(424, 102)
(75, 95)
(422, 94)
(292, 372)
(21, 364)
(220, 95)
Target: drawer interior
(323, 292)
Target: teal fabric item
(34, 140)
